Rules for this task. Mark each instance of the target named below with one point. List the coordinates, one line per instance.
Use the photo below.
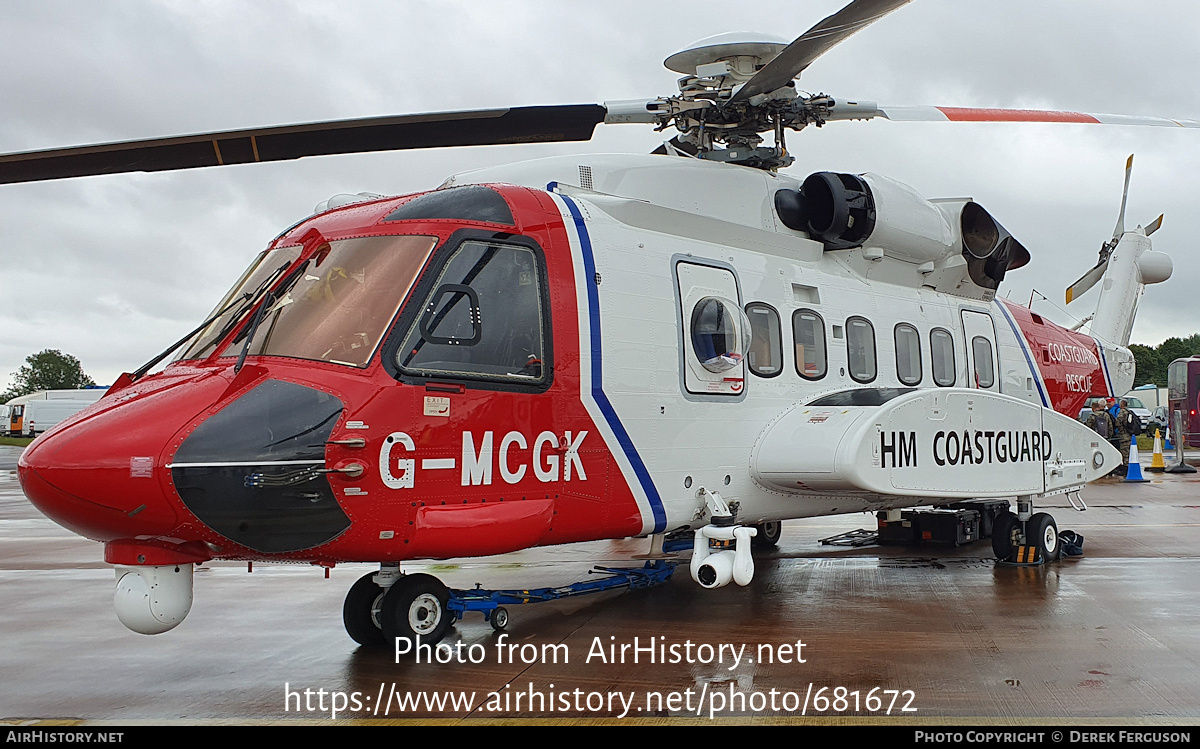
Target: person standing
(1125, 430)
(1104, 424)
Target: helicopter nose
(93, 485)
(100, 476)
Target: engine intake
(845, 211)
(837, 209)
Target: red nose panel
(102, 476)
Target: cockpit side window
(484, 318)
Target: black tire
(499, 618)
(1042, 532)
(1002, 536)
(360, 612)
(415, 606)
(768, 535)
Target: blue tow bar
(491, 602)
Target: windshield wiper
(248, 298)
(254, 297)
(270, 299)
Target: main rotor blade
(966, 114)
(481, 127)
(815, 42)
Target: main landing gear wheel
(416, 605)
(1042, 532)
(1004, 528)
(768, 535)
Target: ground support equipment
(860, 537)
(491, 603)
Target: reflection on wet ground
(1109, 635)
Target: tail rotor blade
(1087, 281)
(1154, 225)
(1124, 197)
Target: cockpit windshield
(337, 306)
(250, 287)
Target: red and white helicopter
(687, 343)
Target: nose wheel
(360, 612)
(768, 535)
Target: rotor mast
(737, 86)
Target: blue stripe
(610, 414)
(1024, 350)
(1104, 366)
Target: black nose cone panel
(251, 471)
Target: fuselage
(541, 368)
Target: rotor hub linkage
(707, 123)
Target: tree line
(47, 370)
(1152, 361)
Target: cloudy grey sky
(112, 269)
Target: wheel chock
(1023, 556)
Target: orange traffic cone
(1156, 463)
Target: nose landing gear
(416, 606)
(385, 605)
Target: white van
(17, 422)
(40, 415)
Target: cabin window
(808, 331)
(719, 338)
(766, 341)
(941, 350)
(484, 318)
(908, 354)
(981, 348)
(860, 349)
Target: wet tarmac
(1110, 636)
